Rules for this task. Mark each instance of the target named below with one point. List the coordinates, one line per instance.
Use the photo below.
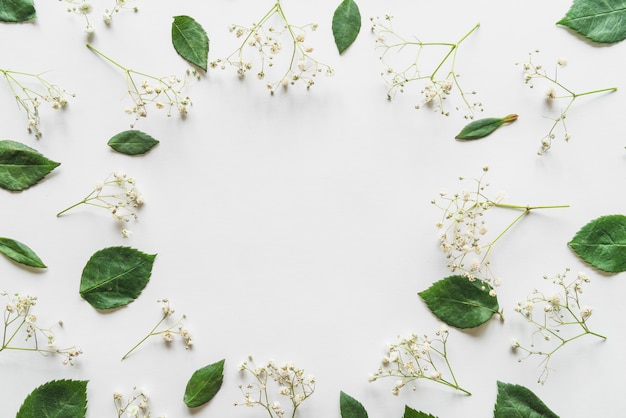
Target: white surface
(299, 226)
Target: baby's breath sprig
(269, 40)
(562, 318)
(401, 58)
(134, 406)
(556, 91)
(84, 8)
(418, 357)
(166, 333)
(289, 382)
(19, 318)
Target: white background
(299, 227)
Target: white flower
(132, 411)
(585, 312)
(562, 61)
(435, 375)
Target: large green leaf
(602, 243)
(190, 40)
(482, 127)
(350, 407)
(519, 402)
(204, 384)
(22, 166)
(459, 302)
(132, 142)
(57, 398)
(115, 276)
(346, 24)
(17, 10)
(20, 253)
(600, 21)
(412, 413)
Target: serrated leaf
(350, 407)
(115, 276)
(17, 10)
(204, 384)
(190, 41)
(459, 302)
(518, 401)
(412, 413)
(21, 166)
(132, 142)
(20, 253)
(599, 21)
(482, 127)
(346, 24)
(602, 243)
(57, 398)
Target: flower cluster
(559, 318)
(418, 357)
(289, 381)
(84, 8)
(402, 60)
(270, 36)
(135, 406)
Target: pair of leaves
(190, 41)
(483, 127)
(598, 21)
(17, 10)
(57, 398)
(20, 253)
(204, 384)
(602, 243)
(346, 24)
(518, 401)
(21, 166)
(132, 142)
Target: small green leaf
(57, 398)
(412, 413)
(599, 21)
(21, 167)
(132, 142)
(115, 276)
(17, 10)
(20, 253)
(190, 41)
(483, 127)
(204, 384)
(346, 24)
(459, 302)
(602, 243)
(350, 407)
(518, 401)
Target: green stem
(150, 334)
(76, 204)
(112, 61)
(609, 89)
(453, 48)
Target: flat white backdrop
(298, 226)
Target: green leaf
(132, 142)
(21, 167)
(350, 407)
(459, 302)
(57, 398)
(204, 384)
(17, 10)
(602, 243)
(599, 21)
(190, 41)
(346, 24)
(518, 401)
(20, 253)
(412, 413)
(115, 276)
(483, 127)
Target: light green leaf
(599, 21)
(602, 243)
(482, 127)
(350, 407)
(17, 10)
(518, 401)
(57, 398)
(132, 142)
(204, 384)
(21, 167)
(461, 303)
(190, 41)
(412, 413)
(115, 276)
(20, 253)
(346, 24)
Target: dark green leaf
(57, 398)
(22, 166)
(17, 10)
(412, 413)
(346, 24)
(115, 276)
(190, 40)
(20, 253)
(483, 127)
(599, 21)
(132, 142)
(459, 302)
(518, 401)
(350, 407)
(602, 243)
(204, 384)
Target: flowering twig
(135, 406)
(84, 8)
